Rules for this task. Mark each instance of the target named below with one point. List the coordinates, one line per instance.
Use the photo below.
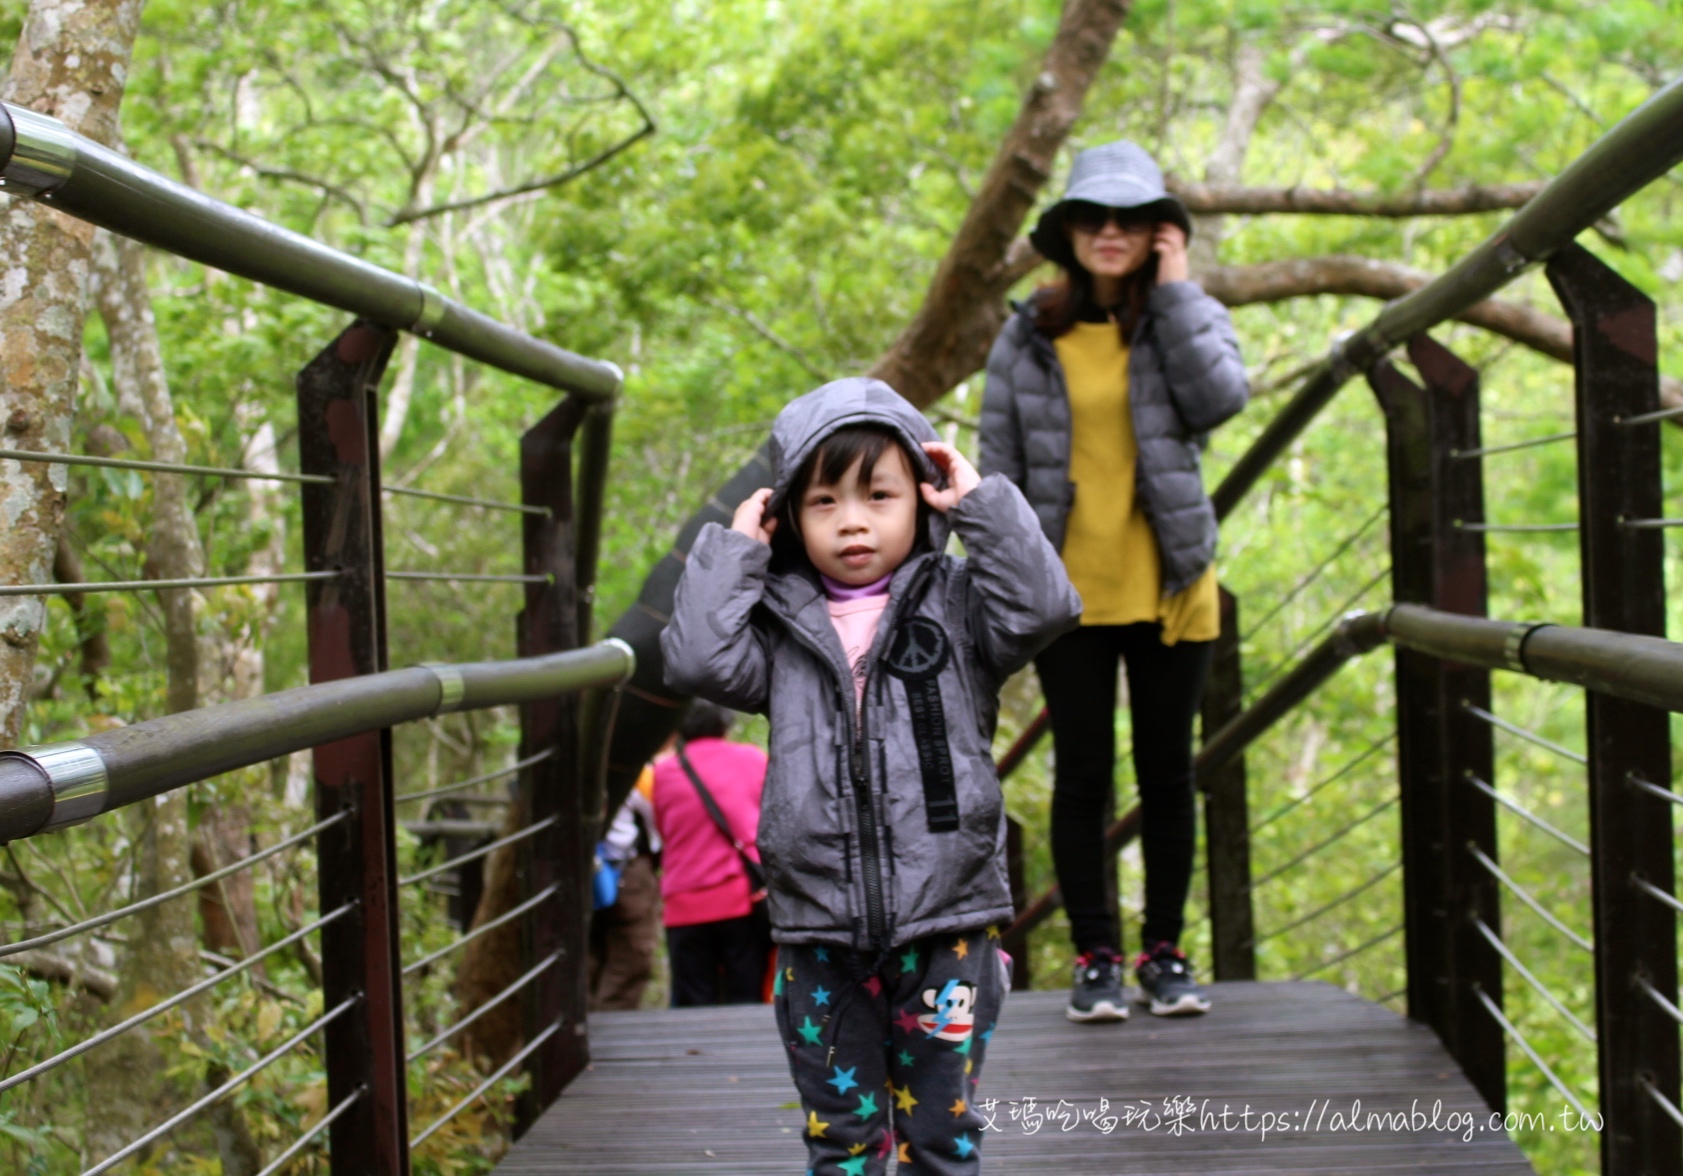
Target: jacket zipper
(870, 855)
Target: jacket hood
(857, 400)
(1119, 175)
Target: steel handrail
(1646, 143)
(43, 159)
(44, 788)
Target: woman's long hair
(1059, 305)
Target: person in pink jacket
(718, 938)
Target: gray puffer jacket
(1185, 377)
(875, 831)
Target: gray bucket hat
(1118, 175)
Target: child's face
(859, 533)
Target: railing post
(560, 855)
(1227, 837)
(1619, 477)
(338, 435)
(1437, 562)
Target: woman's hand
(962, 477)
(751, 518)
(1169, 244)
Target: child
(830, 607)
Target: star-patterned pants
(887, 1062)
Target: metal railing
(564, 689)
(1443, 812)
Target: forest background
(735, 200)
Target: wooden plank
(707, 1091)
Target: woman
(1100, 391)
(718, 939)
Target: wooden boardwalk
(707, 1091)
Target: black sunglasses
(1085, 217)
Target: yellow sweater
(1110, 550)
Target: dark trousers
(720, 963)
(1165, 682)
(887, 1062)
(623, 939)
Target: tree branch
(1209, 199)
(764, 331)
(965, 305)
(1277, 281)
(291, 177)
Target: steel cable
(479, 1012)
(1304, 646)
(1664, 414)
(1354, 951)
(1520, 893)
(1654, 891)
(162, 467)
(468, 938)
(280, 1161)
(1514, 528)
(1519, 1040)
(1486, 451)
(1319, 911)
(1517, 810)
(501, 1071)
(474, 855)
(1315, 572)
(186, 888)
(1528, 736)
(1654, 789)
(465, 500)
(152, 585)
(402, 797)
(1666, 1104)
(1670, 1009)
(473, 577)
(1320, 845)
(224, 1090)
(162, 1007)
(1506, 953)
(1360, 759)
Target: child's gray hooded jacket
(875, 833)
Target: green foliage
(810, 165)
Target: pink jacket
(702, 879)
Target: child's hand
(1169, 243)
(751, 518)
(962, 477)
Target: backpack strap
(756, 876)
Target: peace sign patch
(918, 651)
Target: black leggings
(720, 963)
(1165, 682)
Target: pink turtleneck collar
(836, 590)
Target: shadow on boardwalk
(707, 1091)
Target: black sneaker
(1166, 983)
(1097, 993)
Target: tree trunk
(127, 1091)
(962, 311)
(228, 908)
(1253, 90)
(945, 342)
(70, 62)
(91, 642)
(137, 366)
(965, 305)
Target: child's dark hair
(828, 464)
